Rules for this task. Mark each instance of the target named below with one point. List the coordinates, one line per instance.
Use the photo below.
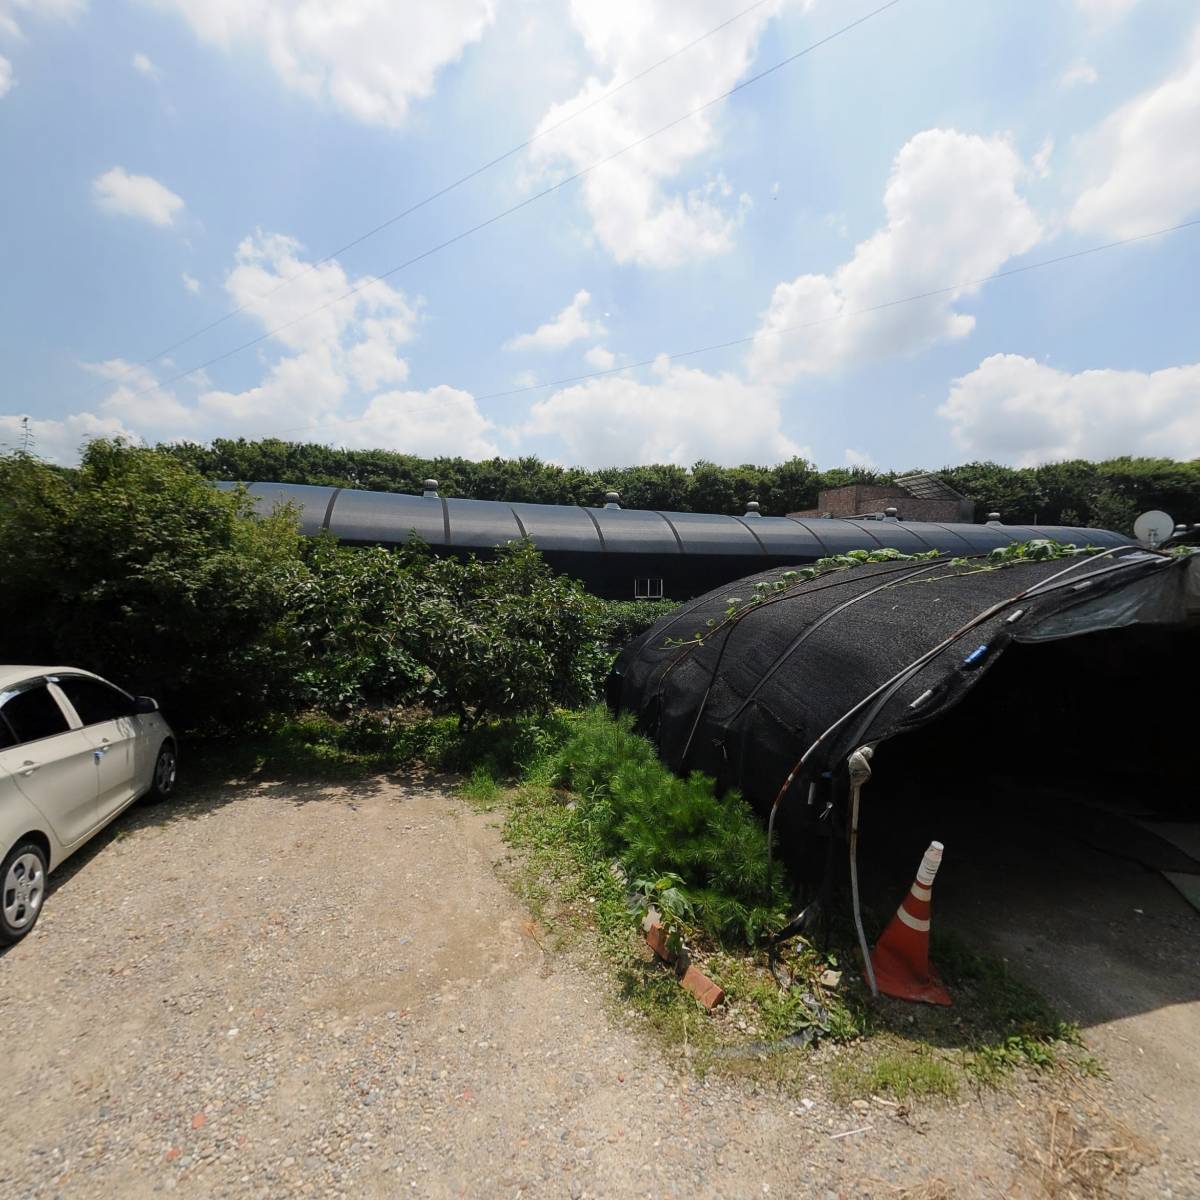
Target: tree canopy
(1106, 494)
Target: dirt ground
(278, 990)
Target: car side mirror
(145, 704)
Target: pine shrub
(657, 824)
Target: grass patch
(912, 1072)
(378, 740)
(596, 817)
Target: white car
(74, 752)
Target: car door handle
(28, 767)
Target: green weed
(906, 1073)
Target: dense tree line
(132, 565)
(1106, 494)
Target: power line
(949, 289)
(437, 195)
(369, 281)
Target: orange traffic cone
(901, 956)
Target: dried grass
(1076, 1159)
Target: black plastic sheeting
(801, 671)
(608, 548)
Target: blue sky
(167, 161)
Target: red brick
(656, 939)
(703, 988)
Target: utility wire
(766, 333)
(437, 195)
(370, 281)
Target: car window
(33, 714)
(6, 735)
(95, 701)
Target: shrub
(660, 825)
(478, 638)
(135, 567)
(620, 621)
(350, 613)
(500, 637)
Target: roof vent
(890, 514)
(993, 518)
(752, 509)
(611, 499)
(430, 486)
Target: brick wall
(858, 499)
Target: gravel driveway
(276, 989)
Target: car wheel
(22, 890)
(165, 768)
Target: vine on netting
(766, 589)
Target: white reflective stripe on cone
(912, 922)
(929, 864)
(921, 893)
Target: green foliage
(618, 622)
(473, 637)
(348, 614)
(373, 740)
(1034, 550)
(909, 1072)
(501, 637)
(659, 825)
(1107, 494)
(135, 567)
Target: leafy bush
(477, 638)
(660, 826)
(134, 566)
(506, 636)
(350, 613)
(620, 621)
(137, 568)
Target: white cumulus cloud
(570, 325)
(1018, 410)
(953, 214)
(681, 414)
(1102, 12)
(335, 377)
(1079, 74)
(440, 420)
(117, 191)
(1146, 156)
(192, 284)
(143, 64)
(634, 212)
(600, 357)
(60, 10)
(59, 439)
(370, 58)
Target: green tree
(135, 567)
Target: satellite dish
(1153, 527)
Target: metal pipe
(860, 772)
